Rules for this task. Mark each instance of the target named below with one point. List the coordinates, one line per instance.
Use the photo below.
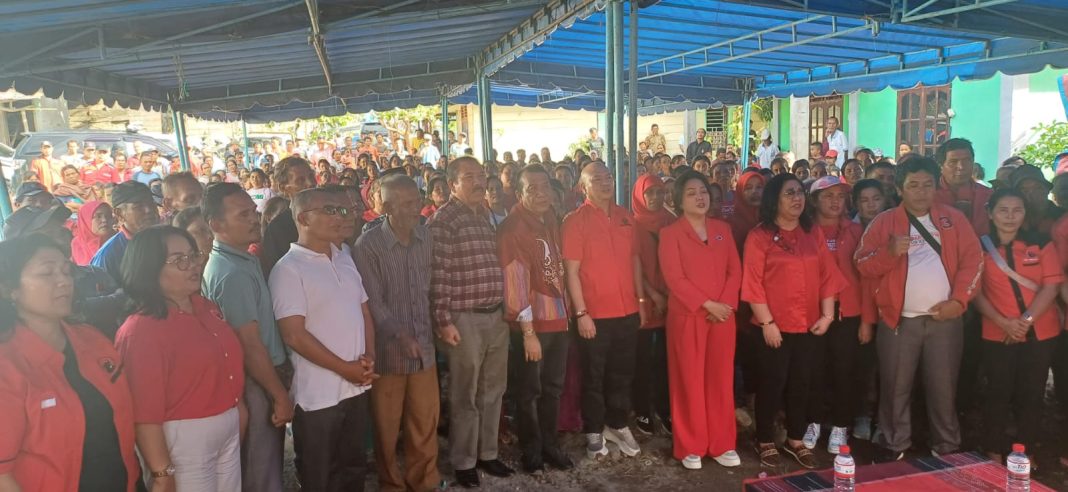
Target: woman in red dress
(700, 264)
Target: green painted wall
(1046, 80)
(877, 125)
(978, 105)
(844, 124)
(784, 124)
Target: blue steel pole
(747, 111)
(486, 117)
(445, 127)
(179, 136)
(622, 193)
(632, 96)
(5, 197)
(244, 134)
(610, 96)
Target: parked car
(28, 145)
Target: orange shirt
(696, 271)
(791, 272)
(43, 420)
(606, 245)
(1041, 266)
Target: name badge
(48, 403)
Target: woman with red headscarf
(649, 389)
(746, 216)
(95, 225)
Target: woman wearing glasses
(66, 418)
(184, 364)
(790, 280)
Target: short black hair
(916, 164)
(141, 265)
(678, 172)
(214, 197)
(452, 170)
(870, 171)
(680, 187)
(186, 217)
(864, 184)
(769, 202)
(530, 169)
(1029, 236)
(951, 145)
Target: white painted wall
(1027, 110)
(799, 134)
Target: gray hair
(394, 182)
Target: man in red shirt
(926, 261)
(98, 170)
(604, 278)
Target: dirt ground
(655, 470)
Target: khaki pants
(408, 403)
(478, 375)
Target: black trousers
(971, 373)
(833, 374)
(786, 370)
(538, 387)
(607, 373)
(330, 445)
(1060, 372)
(651, 392)
(1017, 376)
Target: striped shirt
(465, 271)
(397, 280)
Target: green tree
(1051, 140)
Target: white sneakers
(595, 445)
(729, 459)
(812, 434)
(839, 438)
(622, 438)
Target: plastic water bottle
(844, 470)
(1019, 475)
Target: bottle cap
(1017, 448)
(843, 449)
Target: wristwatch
(166, 472)
(769, 323)
(581, 314)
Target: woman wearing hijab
(650, 386)
(95, 224)
(746, 216)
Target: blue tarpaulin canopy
(282, 59)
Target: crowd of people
(161, 328)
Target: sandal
(803, 455)
(769, 455)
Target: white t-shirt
(766, 154)
(837, 142)
(926, 283)
(328, 292)
(260, 196)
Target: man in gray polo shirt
(233, 279)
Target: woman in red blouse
(650, 387)
(838, 350)
(185, 367)
(1020, 323)
(66, 418)
(790, 279)
(703, 273)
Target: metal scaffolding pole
(445, 127)
(620, 158)
(244, 135)
(179, 135)
(5, 200)
(747, 111)
(610, 92)
(485, 112)
(632, 99)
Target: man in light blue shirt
(234, 280)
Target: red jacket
(842, 240)
(975, 196)
(961, 255)
(696, 272)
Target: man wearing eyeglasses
(313, 288)
(135, 210)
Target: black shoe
(532, 464)
(884, 455)
(644, 424)
(558, 459)
(495, 468)
(468, 478)
(666, 422)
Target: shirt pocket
(50, 425)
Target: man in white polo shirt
(332, 339)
